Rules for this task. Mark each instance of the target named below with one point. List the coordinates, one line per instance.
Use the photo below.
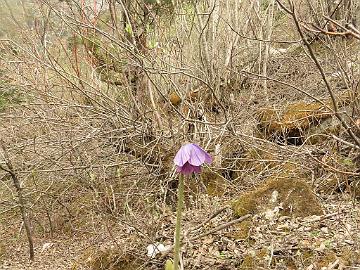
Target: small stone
(325, 230)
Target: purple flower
(189, 159)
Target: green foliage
(128, 29)
(8, 96)
(264, 5)
(169, 265)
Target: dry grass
(94, 155)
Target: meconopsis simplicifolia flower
(189, 159)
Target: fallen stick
(221, 227)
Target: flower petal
(188, 169)
(198, 156)
(197, 169)
(208, 158)
(182, 156)
(193, 154)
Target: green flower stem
(180, 206)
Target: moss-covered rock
(294, 196)
(320, 133)
(290, 126)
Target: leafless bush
(96, 130)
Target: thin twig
(16, 182)
(292, 12)
(210, 218)
(221, 227)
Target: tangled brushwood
(97, 96)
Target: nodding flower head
(189, 159)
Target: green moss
(8, 95)
(301, 115)
(326, 259)
(254, 261)
(319, 259)
(292, 122)
(249, 262)
(307, 256)
(295, 195)
(243, 230)
(246, 204)
(317, 134)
